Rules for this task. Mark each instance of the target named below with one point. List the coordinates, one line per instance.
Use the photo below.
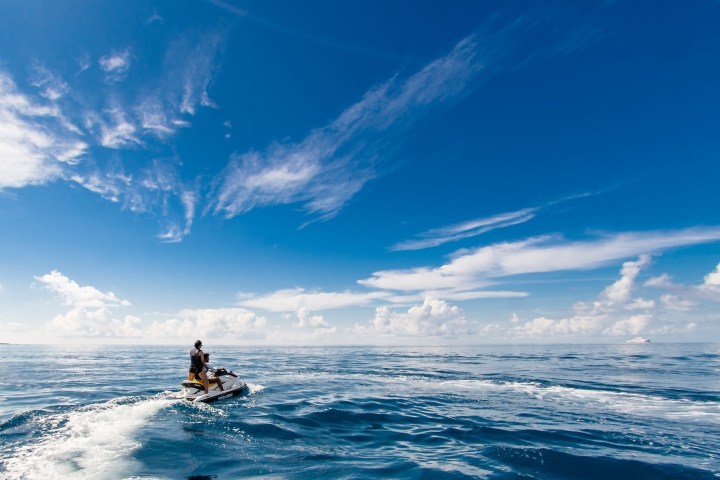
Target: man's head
(198, 344)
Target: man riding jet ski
(206, 383)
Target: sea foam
(93, 442)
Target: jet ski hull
(193, 391)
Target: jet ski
(193, 390)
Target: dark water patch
(268, 430)
(554, 464)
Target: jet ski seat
(192, 384)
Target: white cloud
(116, 65)
(433, 318)
(540, 254)
(99, 322)
(673, 302)
(156, 188)
(293, 300)
(620, 291)
(578, 324)
(674, 329)
(50, 85)
(712, 279)
(327, 168)
(315, 323)
(640, 304)
(35, 144)
(685, 297)
(661, 281)
(119, 132)
(78, 296)
(216, 323)
(83, 62)
(594, 317)
(711, 283)
(155, 17)
(156, 118)
(90, 313)
(630, 326)
(472, 228)
(192, 66)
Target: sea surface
(490, 412)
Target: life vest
(195, 361)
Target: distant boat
(638, 340)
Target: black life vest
(195, 359)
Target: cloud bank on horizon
(276, 180)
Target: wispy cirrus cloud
(326, 169)
(472, 228)
(535, 255)
(192, 64)
(292, 300)
(36, 143)
(51, 85)
(43, 139)
(116, 65)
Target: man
(197, 365)
(217, 371)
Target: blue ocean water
(492, 412)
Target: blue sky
(401, 172)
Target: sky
(359, 173)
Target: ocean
(488, 412)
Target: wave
(92, 442)
(622, 402)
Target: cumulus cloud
(90, 313)
(661, 281)
(535, 255)
(673, 302)
(683, 297)
(314, 323)
(326, 169)
(543, 326)
(605, 315)
(620, 291)
(433, 318)
(95, 323)
(75, 295)
(629, 326)
(711, 283)
(211, 323)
